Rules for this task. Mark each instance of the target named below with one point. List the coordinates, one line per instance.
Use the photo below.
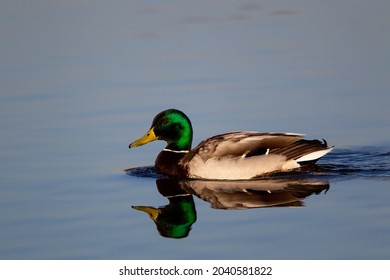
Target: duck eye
(164, 122)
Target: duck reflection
(175, 219)
(255, 194)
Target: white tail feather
(314, 155)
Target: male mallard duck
(231, 156)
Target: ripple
(144, 171)
(364, 162)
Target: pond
(77, 89)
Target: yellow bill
(152, 212)
(148, 137)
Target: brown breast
(167, 163)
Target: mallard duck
(229, 156)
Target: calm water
(77, 88)
(339, 211)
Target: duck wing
(242, 144)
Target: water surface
(80, 81)
(339, 211)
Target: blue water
(338, 211)
(80, 81)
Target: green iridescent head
(172, 126)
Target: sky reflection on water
(80, 80)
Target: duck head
(172, 126)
